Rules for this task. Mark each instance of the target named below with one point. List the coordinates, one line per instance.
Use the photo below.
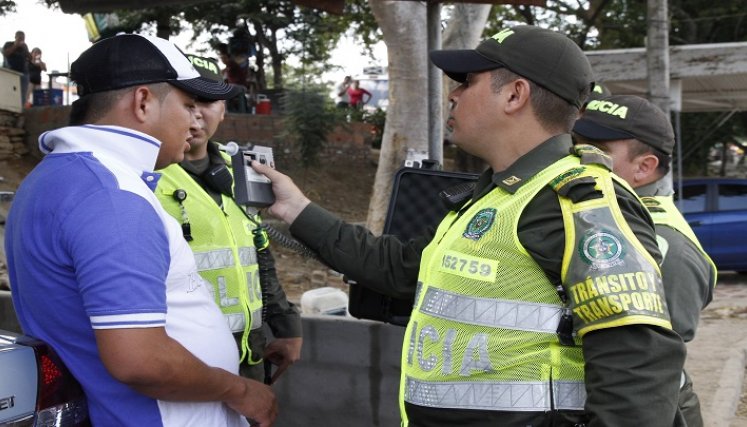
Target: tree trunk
(259, 57)
(463, 31)
(403, 25)
(163, 25)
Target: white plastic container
(326, 300)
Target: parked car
(36, 389)
(716, 209)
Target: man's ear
(518, 94)
(646, 166)
(143, 103)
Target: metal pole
(435, 82)
(678, 140)
(657, 54)
(657, 62)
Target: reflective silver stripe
(247, 255)
(569, 395)
(222, 258)
(256, 319)
(236, 321)
(494, 312)
(213, 260)
(496, 395)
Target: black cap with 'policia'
(545, 57)
(626, 117)
(209, 69)
(598, 91)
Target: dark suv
(716, 209)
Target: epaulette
(576, 185)
(652, 204)
(591, 155)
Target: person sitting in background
(36, 66)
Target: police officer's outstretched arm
(289, 199)
(384, 263)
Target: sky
(62, 37)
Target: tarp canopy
(713, 77)
(86, 6)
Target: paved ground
(716, 358)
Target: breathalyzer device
(251, 188)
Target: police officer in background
(231, 249)
(539, 300)
(640, 139)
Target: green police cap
(545, 57)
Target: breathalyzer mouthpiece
(230, 148)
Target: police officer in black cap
(539, 300)
(640, 139)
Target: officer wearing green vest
(539, 300)
(640, 139)
(230, 248)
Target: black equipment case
(414, 207)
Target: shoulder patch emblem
(564, 178)
(601, 249)
(480, 224)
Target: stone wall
(11, 135)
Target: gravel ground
(716, 357)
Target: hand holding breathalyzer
(289, 199)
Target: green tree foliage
(308, 34)
(309, 117)
(278, 28)
(618, 24)
(7, 6)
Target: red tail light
(60, 401)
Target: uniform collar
(661, 187)
(533, 162)
(213, 156)
(130, 147)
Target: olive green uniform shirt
(688, 282)
(688, 277)
(637, 366)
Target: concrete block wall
(348, 375)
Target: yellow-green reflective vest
(483, 331)
(224, 250)
(664, 212)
